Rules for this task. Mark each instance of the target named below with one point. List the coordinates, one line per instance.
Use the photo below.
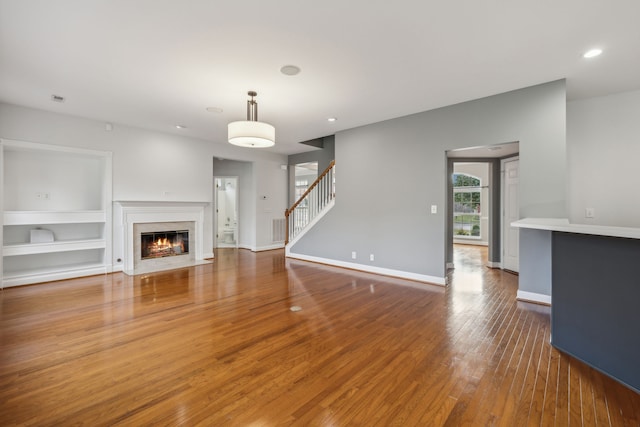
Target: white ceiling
(158, 63)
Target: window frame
(474, 216)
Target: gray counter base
(595, 315)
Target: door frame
(494, 232)
(215, 209)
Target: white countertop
(563, 224)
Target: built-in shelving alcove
(56, 212)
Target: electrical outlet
(434, 209)
(589, 213)
(353, 255)
(371, 257)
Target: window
(301, 186)
(466, 206)
(305, 175)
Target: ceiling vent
(57, 98)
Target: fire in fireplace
(164, 243)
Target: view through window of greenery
(466, 206)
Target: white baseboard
(533, 297)
(117, 268)
(208, 255)
(450, 265)
(371, 269)
(29, 279)
(262, 248)
(268, 248)
(492, 264)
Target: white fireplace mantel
(137, 212)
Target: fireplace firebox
(160, 244)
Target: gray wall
(535, 271)
(323, 156)
(390, 173)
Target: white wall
(148, 165)
(55, 174)
(603, 147)
(270, 204)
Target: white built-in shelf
(35, 275)
(52, 217)
(65, 190)
(60, 246)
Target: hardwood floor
(217, 345)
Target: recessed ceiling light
(331, 119)
(290, 70)
(181, 127)
(215, 110)
(592, 53)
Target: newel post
(286, 227)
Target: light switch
(434, 209)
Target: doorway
(473, 194)
(487, 204)
(226, 214)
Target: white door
(510, 240)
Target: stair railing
(311, 203)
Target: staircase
(311, 206)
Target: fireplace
(159, 244)
(173, 221)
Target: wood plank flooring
(217, 345)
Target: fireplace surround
(145, 217)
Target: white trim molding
(533, 297)
(262, 248)
(492, 264)
(441, 281)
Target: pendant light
(252, 133)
